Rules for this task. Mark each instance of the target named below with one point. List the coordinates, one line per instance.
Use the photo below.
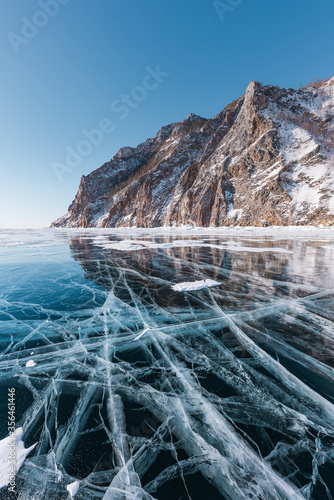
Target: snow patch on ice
(188, 286)
(136, 245)
(73, 488)
(13, 442)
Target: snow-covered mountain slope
(266, 159)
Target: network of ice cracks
(138, 391)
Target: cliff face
(267, 158)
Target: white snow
(194, 285)
(136, 245)
(276, 171)
(30, 363)
(298, 143)
(312, 178)
(191, 230)
(235, 213)
(12, 455)
(73, 488)
(267, 174)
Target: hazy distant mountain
(267, 158)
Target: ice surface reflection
(138, 391)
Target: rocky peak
(267, 158)
(125, 153)
(194, 118)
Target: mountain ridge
(266, 159)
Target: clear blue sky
(64, 78)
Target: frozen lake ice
(132, 387)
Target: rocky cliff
(266, 159)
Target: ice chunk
(194, 285)
(73, 488)
(12, 455)
(30, 363)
